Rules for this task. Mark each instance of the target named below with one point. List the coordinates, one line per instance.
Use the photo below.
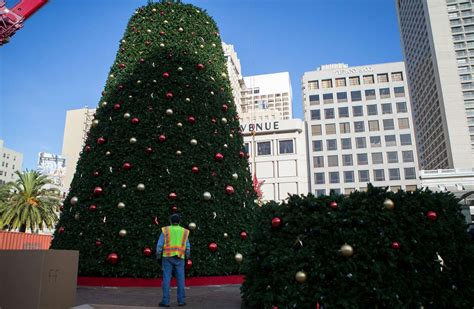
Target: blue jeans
(172, 265)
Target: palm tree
(27, 203)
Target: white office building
(11, 161)
(360, 128)
(234, 72)
(438, 45)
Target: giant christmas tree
(165, 139)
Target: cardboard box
(38, 279)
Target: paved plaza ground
(219, 296)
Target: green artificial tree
(373, 249)
(165, 138)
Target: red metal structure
(12, 19)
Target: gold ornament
(74, 200)
(213, 44)
(104, 104)
(180, 69)
(235, 176)
(226, 235)
(178, 152)
(121, 205)
(347, 250)
(126, 115)
(133, 140)
(231, 135)
(77, 216)
(224, 75)
(180, 29)
(207, 196)
(148, 30)
(225, 146)
(389, 204)
(192, 226)
(238, 258)
(139, 81)
(111, 76)
(95, 122)
(140, 187)
(202, 46)
(179, 124)
(224, 120)
(169, 112)
(108, 153)
(123, 233)
(300, 277)
(193, 142)
(124, 186)
(188, 100)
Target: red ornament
(96, 174)
(213, 120)
(149, 150)
(191, 120)
(200, 66)
(243, 235)
(98, 191)
(127, 166)
(120, 87)
(229, 189)
(61, 208)
(169, 95)
(112, 258)
(195, 169)
(87, 148)
(395, 245)
(92, 207)
(213, 246)
(150, 108)
(117, 106)
(135, 120)
(166, 75)
(172, 196)
(224, 107)
(101, 140)
(141, 59)
(432, 215)
(219, 156)
(189, 264)
(147, 251)
(276, 222)
(169, 56)
(162, 32)
(237, 117)
(122, 65)
(61, 230)
(162, 138)
(241, 154)
(156, 221)
(174, 209)
(213, 174)
(333, 205)
(98, 243)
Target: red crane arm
(26, 8)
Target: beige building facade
(10, 162)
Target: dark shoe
(163, 305)
(182, 304)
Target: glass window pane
(372, 110)
(405, 139)
(368, 79)
(384, 93)
(361, 142)
(377, 158)
(319, 178)
(331, 144)
(388, 124)
(333, 177)
(374, 125)
(410, 173)
(345, 127)
(313, 84)
(362, 159)
(264, 148)
(332, 161)
(286, 146)
(370, 94)
(386, 108)
(326, 83)
(316, 129)
(402, 107)
(327, 98)
(399, 91)
(403, 123)
(343, 112)
(340, 82)
(353, 81)
(329, 113)
(341, 97)
(407, 156)
(347, 160)
(314, 99)
(318, 161)
(357, 111)
(379, 175)
(331, 128)
(356, 96)
(392, 157)
(397, 77)
(382, 78)
(375, 141)
(359, 126)
(348, 176)
(346, 143)
(390, 140)
(364, 176)
(317, 145)
(315, 114)
(394, 174)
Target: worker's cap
(175, 218)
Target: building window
(247, 148)
(361, 143)
(347, 160)
(320, 192)
(382, 78)
(392, 157)
(329, 113)
(328, 98)
(346, 143)
(397, 77)
(343, 112)
(286, 146)
(315, 114)
(410, 173)
(403, 123)
(357, 111)
(395, 188)
(354, 81)
(379, 175)
(345, 127)
(326, 83)
(405, 139)
(356, 96)
(374, 125)
(359, 126)
(411, 188)
(333, 177)
(317, 145)
(318, 161)
(386, 108)
(331, 144)
(394, 174)
(316, 129)
(399, 91)
(319, 178)
(377, 158)
(390, 140)
(368, 79)
(341, 97)
(375, 141)
(348, 176)
(313, 84)
(340, 82)
(407, 156)
(362, 159)
(372, 109)
(330, 128)
(370, 94)
(332, 161)
(364, 176)
(402, 107)
(314, 99)
(264, 148)
(384, 93)
(388, 124)
(256, 91)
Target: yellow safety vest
(175, 241)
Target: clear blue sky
(61, 58)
